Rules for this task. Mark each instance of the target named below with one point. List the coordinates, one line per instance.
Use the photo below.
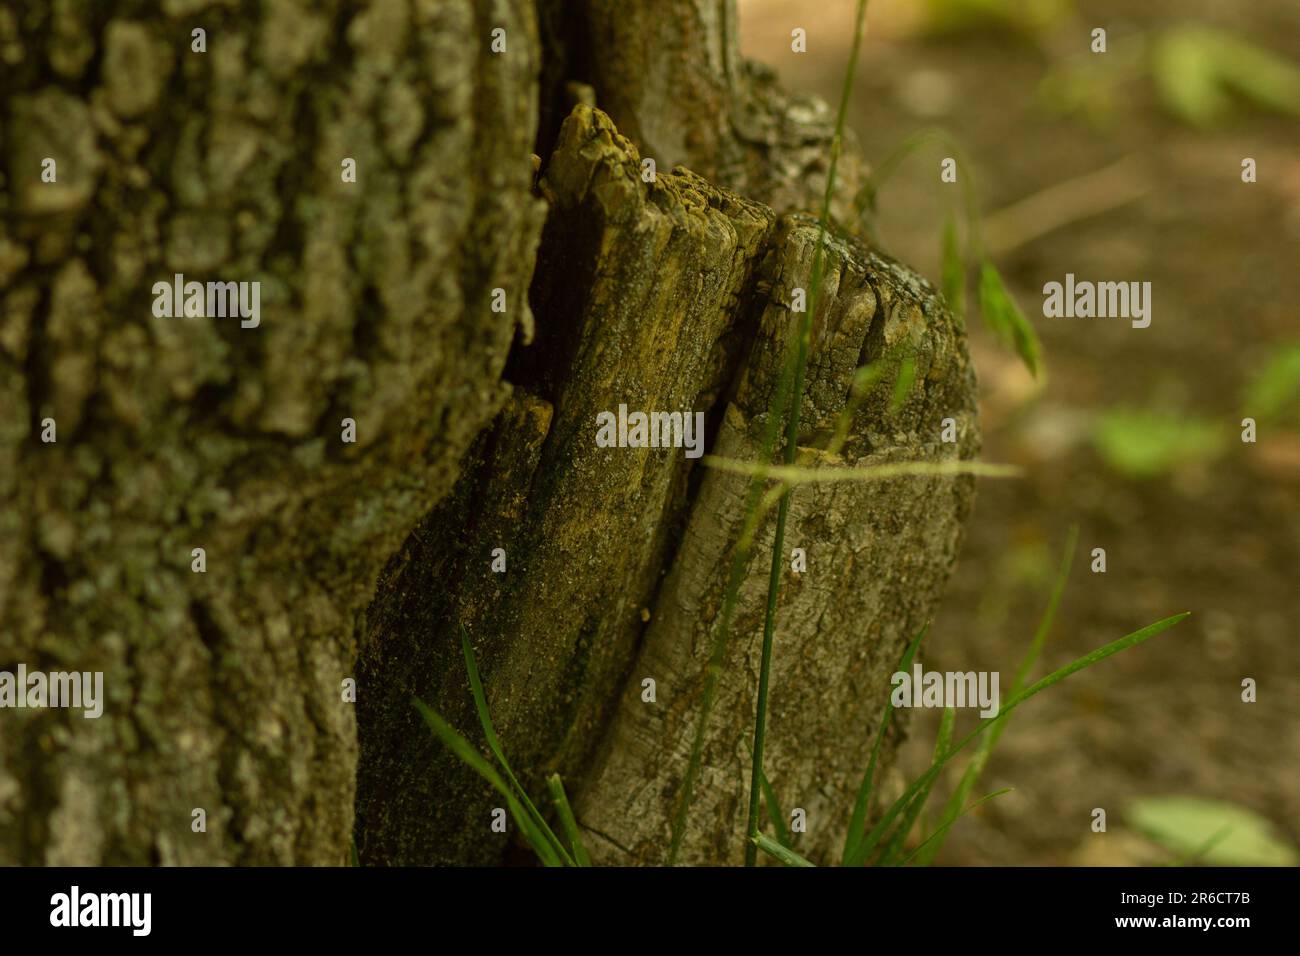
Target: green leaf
(1114, 647)
(774, 812)
(462, 748)
(1274, 390)
(1006, 320)
(567, 819)
(1186, 79)
(485, 719)
(1196, 67)
(1147, 443)
(954, 270)
(1190, 824)
(784, 854)
(862, 803)
(984, 752)
(943, 740)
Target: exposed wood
(672, 295)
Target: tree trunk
(475, 428)
(224, 687)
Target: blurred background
(1122, 166)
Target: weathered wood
(877, 557)
(671, 295)
(638, 285)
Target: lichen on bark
(224, 687)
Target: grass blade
(740, 557)
(862, 803)
(941, 830)
(774, 812)
(897, 841)
(794, 475)
(985, 750)
(494, 744)
(792, 432)
(567, 819)
(903, 384)
(864, 380)
(954, 270)
(784, 854)
(463, 749)
(769, 628)
(1005, 318)
(1100, 654)
(865, 201)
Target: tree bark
(224, 688)
(475, 428)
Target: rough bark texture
(475, 429)
(224, 687)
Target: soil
(1221, 537)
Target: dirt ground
(1219, 536)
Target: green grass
(1146, 443)
(862, 803)
(792, 436)
(921, 783)
(985, 751)
(884, 844)
(899, 819)
(1273, 392)
(550, 849)
(1001, 313)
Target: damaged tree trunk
(472, 348)
(672, 295)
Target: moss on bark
(224, 687)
